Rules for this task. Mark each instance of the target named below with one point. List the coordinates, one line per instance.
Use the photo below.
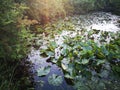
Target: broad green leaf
(78, 62)
(64, 66)
(39, 42)
(104, 50)
(70, 55)
(54, 60)
(100, 62)
(104, 74)
(85, 61)
(87, 48)
(70, 71)
(68, 76)
(43, 71)
(49, 53)
(53, 44)
(102, 85)
(64, 63)
(65, 52)
(75, 52)
(116, 68)
(55, 80)
(100, 55)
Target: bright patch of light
(105, 27)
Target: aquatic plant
(85, 58)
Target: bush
(13, 45)
(83, 6)
(12, 41)
(115, 5)
(45, 10)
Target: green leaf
(64, 63)
(49, 53)
(100, 55)
(54, 61)
(75, 52)
(86, 47)
(70, 71)
(102, 85)
(55, 80)
(39, 42)
(104, 74)
(116, 68)
(67, 75)
(70, 55)
(43, 71)
(104, 50)
(100, 62)
(64, 66)
(85, 61)
(53, 44)
(65, 52)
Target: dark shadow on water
(47, 86)
(41, 83)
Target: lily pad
(43, 71)
(55, 80)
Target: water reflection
(41, 83)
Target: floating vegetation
(43, 71)
(78, 56)
(88, 57)
(55, 80)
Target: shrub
(45, 10)
(12, 42)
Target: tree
(12, 44)
(45, 10)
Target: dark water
(38, 62)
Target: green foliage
(55, 80)
(43, 71)
(13, 41)
(12, 76)
(83, 6)
(10, 11)
(46, 10)
(86, 59)
(13, 44)
(6, 76)
(115, 4)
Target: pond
(100, 21)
